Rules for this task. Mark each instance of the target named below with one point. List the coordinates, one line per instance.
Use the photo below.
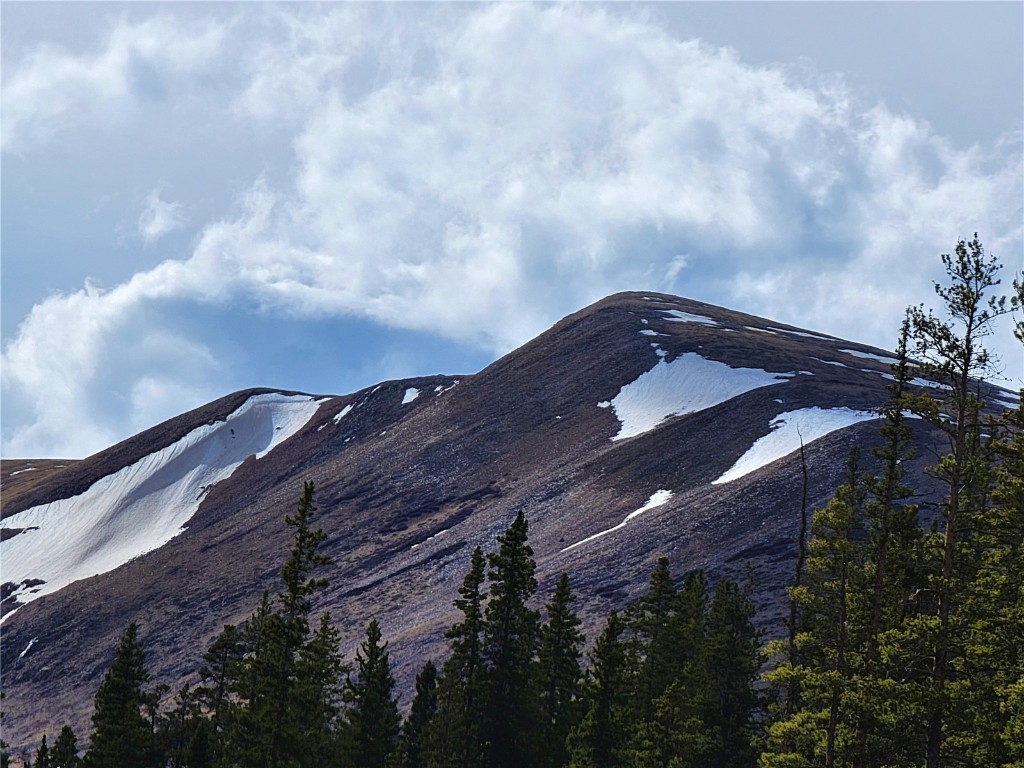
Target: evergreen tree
(732, 659)
(424, 706)
(121, 735)
(42, 755)
(455, 736)
(220, 671)
(601, 740)
(510, 644)
(319, 673)
(559, 666)
(675, 729)
(268, 725)
(954, 355)
(65, 750)
(373, 710)
(656, 645)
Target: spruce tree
(373, 710)
(42, 755)
(559, 667)
(953, 354)
(510, 644)
(65, 750)
(319, 691)
(424, 706)
(732, 658)
(267, 726)
(601, 740)
(455, 736)
(121, 735)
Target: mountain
(644, 425)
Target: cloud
(478, 172)
(51, 89)
(160, 217)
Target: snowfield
(788, 429)
(657, 499)
(142, 506)
(688, 384)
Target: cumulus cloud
(52, 89)
(479, 172)
(159, 217)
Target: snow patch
(788, 429)
(869, 356)
(430, 538)
(675, 316)
(27, 648)
(410, 394)
(645, 332)
(802, 333)
(343, 413)
(26, 469)
(760, 330)
(688, 384)
(917, 382)
(830, 362)
(143, 506)
(657, 499)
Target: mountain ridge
(407, 483)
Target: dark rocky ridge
(405, 492)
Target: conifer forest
(903, 644)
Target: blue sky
(199, 198)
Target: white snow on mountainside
(788, 430)
(144, 505)
(688, 384)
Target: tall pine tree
(122, 736)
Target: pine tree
(267, 723)
(559, 666)
(455, 736)
(65, 750)
(732, 658)
(319, 674)
(601, 740)
(655, 646)
(42, 755)
(510, 644)
(121, 735)
(373, 710)
(424, 706)
(954, 355)
(220, 671)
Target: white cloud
(51, 89)
(159, 217)
(477, 172)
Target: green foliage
(509, 644)
(455, 736)
(373, 709)
(121, 735)
(64, 753)
(424, 707)
(558, 664)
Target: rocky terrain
(644, 425)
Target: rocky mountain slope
(644, 425)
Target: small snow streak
(27, 647)
(788, 430)
(410, 394)
(342, 413)
(657, 499)
(869, 356)
(676, 316)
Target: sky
(203, 197)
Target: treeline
(670, 679)
(904, 645)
